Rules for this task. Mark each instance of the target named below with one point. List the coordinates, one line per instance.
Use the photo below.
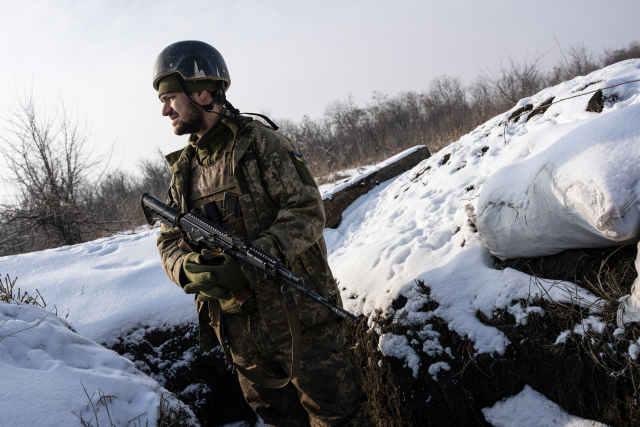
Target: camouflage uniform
(282, 212)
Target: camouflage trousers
(324, 393)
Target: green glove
(213, 276)
(199, 269)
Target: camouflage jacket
(283, 214)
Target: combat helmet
(192, 60)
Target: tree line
(349, 135)
(62, 193)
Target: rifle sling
(296, 344)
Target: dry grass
(609, 349)
(168, 414)
(8, 293)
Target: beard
(191, 121)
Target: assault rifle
(215, 238)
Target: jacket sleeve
(168, 243)
(300, 219)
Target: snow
(591, 323)
(437, 367)
(45, 368)
(105, 289)
(431, 341)
(542, 196)
(355, 175)
(531, 409)
(634, 351)
(522, 314)
(415, 226)
(398, 347)
(108, 286)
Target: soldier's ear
(202, 97)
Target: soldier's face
(185, 117)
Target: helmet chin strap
(238, 121)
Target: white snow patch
(634, 351)
(437, 367)
(593, 323)
(522, 314)
(108, 286)
(531, 409)
(542, 202)
(398, 347)
(431, 345)
(44, 366)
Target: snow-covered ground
(416, 227)
(107, 287)
(52, 376)
(104, 289)
(411, 227)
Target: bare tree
(47, 164)
(579, 61)
(155, 176)
(516, 80)
(612, 56)
(350, 136)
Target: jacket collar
(182, 158)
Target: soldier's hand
(199, 269)
(207, 271)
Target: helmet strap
(206, 107)
(209, 107)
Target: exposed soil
(394, 397)
(590, 377)
(202, 381)
(515, 116)
(541, 109)
(596, 103)
(579, 266)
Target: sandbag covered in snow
(581, 191)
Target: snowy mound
(571, 185)
(108, 287)
(415, 226)
(46, 367)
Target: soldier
(252, 180)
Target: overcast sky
(289, 58)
